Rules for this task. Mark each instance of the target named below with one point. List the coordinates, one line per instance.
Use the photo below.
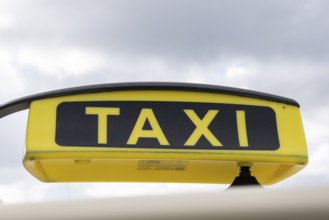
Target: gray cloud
(184, 30)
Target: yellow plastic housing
(50, 162)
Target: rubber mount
(245, 178)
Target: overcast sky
(278, 47)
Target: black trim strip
(24, 102)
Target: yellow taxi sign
(153, 132)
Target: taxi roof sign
(160, 132)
